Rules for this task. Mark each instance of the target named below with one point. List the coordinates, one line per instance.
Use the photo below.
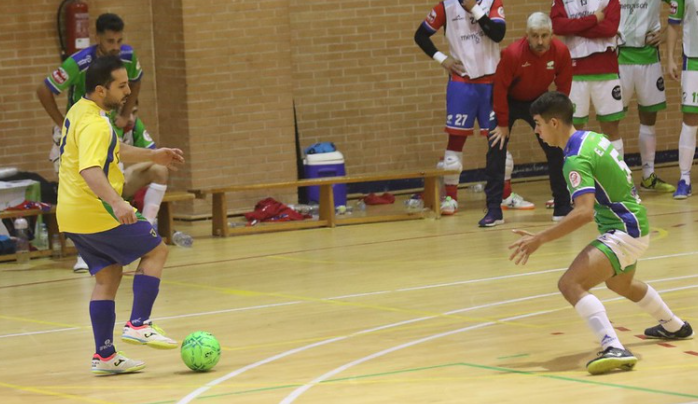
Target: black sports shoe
(610, 359)
(658, 331)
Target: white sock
(648, 148)
(618, 145)
(509, 166)
(151, 201)
(592, 310)
(687, 149)
(653, 304)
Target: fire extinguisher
(73, 27)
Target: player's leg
(146, 286)
(459, 125)
(580, 95)
(651, 98)
(689, 128)
(590, 268)
(107, 274)
(153, 175)
(510, 199)
(670, 326)
(494, 175)
(608, 103)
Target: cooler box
(326, 165)
(14, 192)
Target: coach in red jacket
(526, 70)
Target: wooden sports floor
(424, 311)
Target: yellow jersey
(88, 140)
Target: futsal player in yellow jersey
(107, 231)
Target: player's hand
(468, 4)
(169, 157)
(600, 16)
(673, 70)
(123, 122)
(499, 135)
(124, 212)
(654, 38)
(524, 246)
(453, 65)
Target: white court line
(442, 285)
(299, 391)
(193, 395)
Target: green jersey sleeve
(578, 173)
(676, 11)
(67, 75)
(140, 135)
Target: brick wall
(222, 77)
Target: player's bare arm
(672, 39)
(169, 157)
(99, 184)
(525, 246)
(48, 100)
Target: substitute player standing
(473, 30)
(685, 12)
(641, 72)
(601, 185)
(589, 28)
(106, 230)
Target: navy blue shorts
(466, 102)
(121, 245)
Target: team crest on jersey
(551, 65)
(575, 179)
(431, 17)
(660, 84)
(501, 11)
(616, 93)
(60, 76)
(673, 7)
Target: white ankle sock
(151, 201)
(592, 310)
(653, 304)
(687, 149)
(648, 149)
(618, 145)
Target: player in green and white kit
(641, 72)
(602, 189)
(685, 12)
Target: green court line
(465, 364)
(514, 356)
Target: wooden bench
(51, 225)
(327, 215)
(165, 215)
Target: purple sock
(103, 315)
(145, 290)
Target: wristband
(477, 12)
(440, 57)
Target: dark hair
(109, 22)
(553, 105)
(100, 72)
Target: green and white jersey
(686, 12)
(137, 136)
(71, 74)
(592, 165)
(637, 18)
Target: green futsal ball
(200, 351)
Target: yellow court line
(52, 393)
(47, 323)
(248, 293)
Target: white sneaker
(116, 364)
(148, 334)
(550, 204)
(449, 206)
(516, 202)
(80, 266)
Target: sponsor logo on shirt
(458, 18)
(660, 84)
(575, 179)
(60, 76)
(550, 65)
(526, 65)
(431, 17)
(500, 11)
(630, 8)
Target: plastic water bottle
(414, 204)
(56, 248)
(182, 240)
(41, 242)
(22, 240)
(360, 206)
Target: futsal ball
(200, 351)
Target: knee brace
(452, 161)
(508, 166)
